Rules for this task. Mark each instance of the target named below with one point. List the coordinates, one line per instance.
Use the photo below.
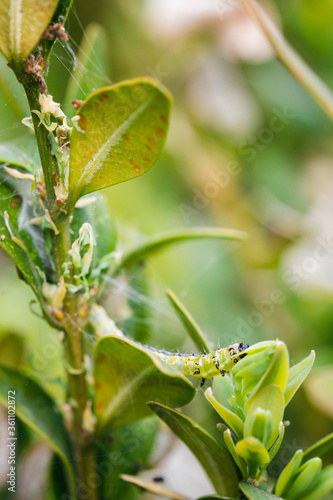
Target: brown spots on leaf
(89, 106)
(147, 160)
(101, 358)
(99, 406)
(148, 147)
(159, 132)
(151, 141)
(126, 137)
(98, 385)
(103, 97)
(82, 122)
(164, 118)
(136, 167)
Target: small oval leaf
(268, 399)
(120, 133)
(213, 457)
(127, 376)
(22, 24)
(253, 493)
(322, 449)
(192, 328)
(297, 374)
(253, 452)
(230, 418)
(39, 412)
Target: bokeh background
(247, 149)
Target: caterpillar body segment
(202, 366)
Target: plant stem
(48, 160)
(73, 342)
(298, 68)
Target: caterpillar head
(236, 351)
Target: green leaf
(268, 399)
(277, 373)
(21, 152)
(89, 74)
(261, 426)
(253, 452)
(276, 446)
(127, 376)
(98, 216)
(39, 412)
(307, 477)
(22, 24)
(289, 472)
(315, 87)
(121, 132)
(19, 245)
(123, 450)
(322, 449)
(12, 350)
(152, 487)
(322, 487)
(216, 497)
(189, 323)
(216, 461)
(253, 493)
(230, 418)
(161, 240)
(12, 90)
(297, 375)
(232, 448)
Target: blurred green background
(247, 149)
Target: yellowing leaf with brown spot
(22, 24)
(121, 132)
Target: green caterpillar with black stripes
(203, 366)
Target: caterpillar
(203, 366)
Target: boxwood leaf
(288, 473)
(19, 245)
(230, 418)
(253, 452)
(297, 375)
(270, 399)
(253, 493)
(22, 24)
(162, 240)
(215, 459)
(277, 373)
(21, 152)
(39, 412)
(216, 497)
(323, 486)
(322, 449)
(307, 477)
(120, 134)
(127, 376)
(193, 329)
(152, 487)
(134, 442)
